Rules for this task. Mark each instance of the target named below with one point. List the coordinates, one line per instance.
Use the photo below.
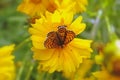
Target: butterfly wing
(51, 41)
(70, 35)
(59, 38)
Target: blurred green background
(12, 23)
(13, 26)
(100, 16)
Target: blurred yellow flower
(105, 75)
(7, 68)
(109, 59)
(76, 6)
(80, 6)
(36, 7)
(59, 56)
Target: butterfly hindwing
(69, 36)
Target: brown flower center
(116, 67)
(51, 7)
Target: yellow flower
(31, 7)
(75, 6)
(7, 68)
(66, 57)
(105, 75)
(110, 61)
(81, 5)
(36, 7)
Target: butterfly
(59, 38)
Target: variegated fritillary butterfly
(59, 38)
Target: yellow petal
(77, 26)
(82, 47)
(68, 65)
(31, 8)
(103, 75)
(48, 16)
(7, 69)
(42, 27)
(6, 50)
(43, 54)
(75, 56)
(56, 17)
(39, 28)
(38, 42)
(81, 43)
(67, 17)
(83, 53)
(52, 63)
(67, 6)
(34, 31)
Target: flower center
(116, 68)
(59, 38)
(51, 7)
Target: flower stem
(22, 43)
(95, 26)
(111, 30)
(20, 71)
(30, 71)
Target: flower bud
(112, 57)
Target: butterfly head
(62, 29)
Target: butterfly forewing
(69, 36)
(51, 41)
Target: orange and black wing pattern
(59, 38)
(51, 41)
(70, 35)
